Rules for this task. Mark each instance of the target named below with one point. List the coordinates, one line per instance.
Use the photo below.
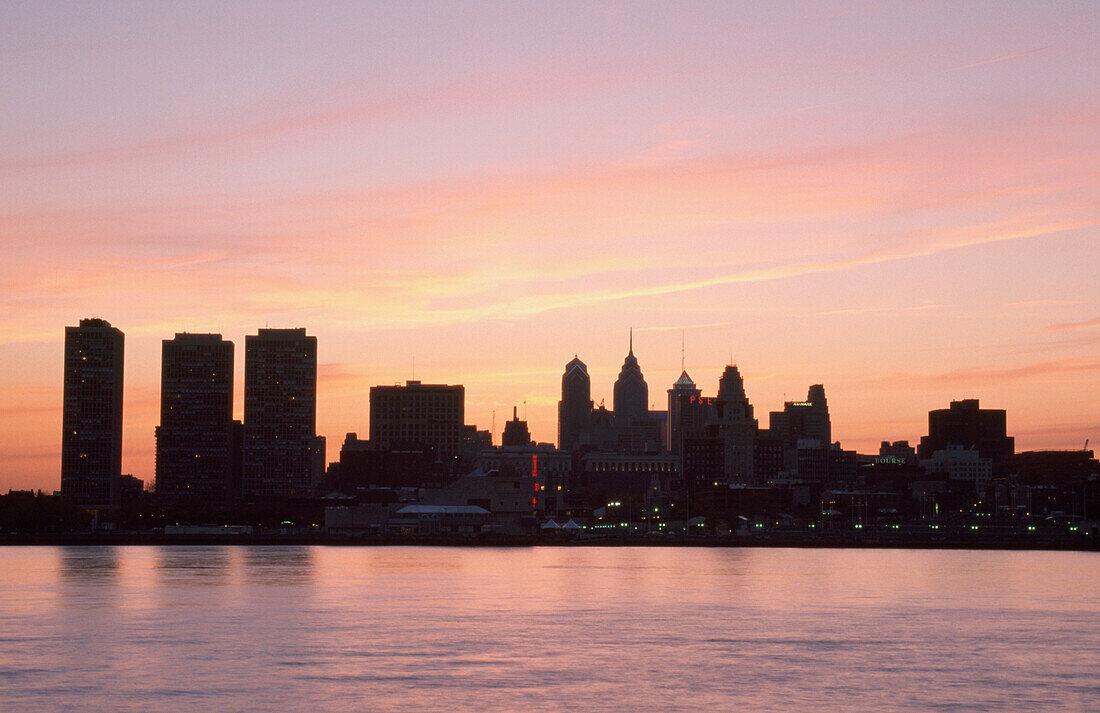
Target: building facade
(688, 412)
(631, 397)
(421, 414)
(91, 436)
(194, 452)
(966, 424)
(735, 426)
(280, 414)
(575, 407)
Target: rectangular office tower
(91, 436)
(195, 454)
(280, 414)
(421, 415)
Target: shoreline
(966, 541)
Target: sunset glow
(900, 201)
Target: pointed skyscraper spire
(631, 391)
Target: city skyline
(897, 201)
(633, 366)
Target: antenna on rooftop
(682, 367)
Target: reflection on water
(276, 565)
(532, 629)
(81, 564)
(189, 566)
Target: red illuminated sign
(535, 478)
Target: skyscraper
(91, 436)
(736, 427)
(280, 413)
(575, 407)
(687, 412)
(419, 414)
(801, 420)
(631, 400)
(194, 439)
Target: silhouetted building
(960, 465)
(131, 488)
(515, 433)
(891, 473)
(859, 507)
(601, 433)
(688, 412)
(966, 425)
(363, 464)
(471, 442)
(194, 452)
(802, 420)
(91, 436)
(280, 413)
(1054, 467)
(704, 463)
(509, 497)
(631, 391)
(639, 482)
(425, 414)
(317, 467)
(644, 435)
(767, 457)
(735, 425)
(575, 407)
(548, 469)
(896, 453)
(732, 503)
(825, 462)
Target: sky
(898, 200)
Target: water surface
(546, 629)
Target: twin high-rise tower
(203, 453)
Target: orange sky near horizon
(898, 200)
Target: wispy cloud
(990, 375)
(1069, 433)
(459, 95)
(1044, 303)
(1074, 326)
(682, 327)
(997, 59)
(871, 310)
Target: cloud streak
(995, 60)
(992, 375)
(1074, 326)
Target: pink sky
(898, 200)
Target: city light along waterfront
(256, 629)
(703, 467)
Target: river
(547, 629)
